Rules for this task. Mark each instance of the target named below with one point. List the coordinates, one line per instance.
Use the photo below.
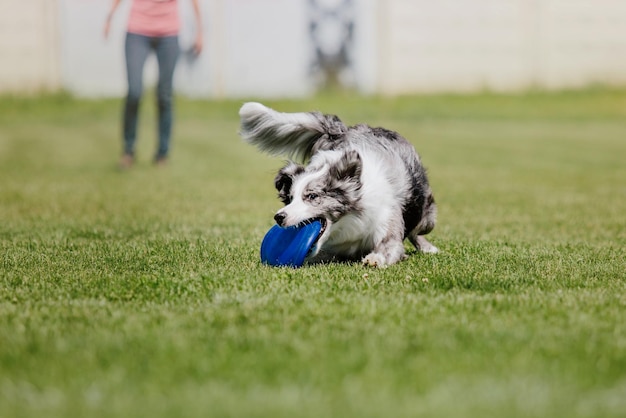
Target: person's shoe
(160, 161)
(126, 162)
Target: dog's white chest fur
(357, 233)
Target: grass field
(141, 294)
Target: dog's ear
(348, 167)
(284, 180)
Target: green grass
(141, 293)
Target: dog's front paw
(375, 260)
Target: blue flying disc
(289, 246)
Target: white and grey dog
(366, 185)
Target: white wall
(583, 41)
(29, 46)
(262, 48)
(366, 47)
(265, 48)
(456, 45)
(91, 65)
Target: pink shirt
(154, 18)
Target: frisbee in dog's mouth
(289, 246)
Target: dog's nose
(280, 218)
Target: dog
(366, 185)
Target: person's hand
(198, 43)
(107, 24)
(107, 27)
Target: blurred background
(293, 48)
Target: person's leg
(136, 49)
(167, 51)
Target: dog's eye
(312, 196)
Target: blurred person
(153, 25)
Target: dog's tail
(295, 135)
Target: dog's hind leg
(426, 224)
(422, 244)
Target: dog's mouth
(323, 221)
(324, 224)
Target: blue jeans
(137, 49)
